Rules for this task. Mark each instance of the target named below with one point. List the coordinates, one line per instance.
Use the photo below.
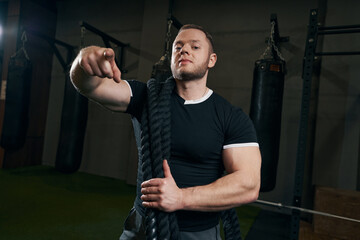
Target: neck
(191, 90)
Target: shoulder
(226, 109)
(237, 125)
(219, 99)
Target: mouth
(184, 61)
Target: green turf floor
(41, 203)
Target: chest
(197, 133)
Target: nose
(184, 49)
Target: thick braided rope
(164, 106)
(156, 147)
(231, 224)
(146, 167)
(155, 120)
(147, 163)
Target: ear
(212, 60)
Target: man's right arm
(95, 75)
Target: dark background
(239, 29)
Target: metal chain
(268, 48)
(82, 37)
(168, 38)
(271, 44)
(24, 40)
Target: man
(208, 136)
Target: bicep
(244, 159)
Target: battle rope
(155, 147)
(155, 142)
(231, 224)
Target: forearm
(83, 82)
(94, 74)
(229, 191)
(239, 187)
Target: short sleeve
(138, 98)
(240, 131)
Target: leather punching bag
(265, 112)
(72, 130)
(17, 100)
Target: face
(191, 57)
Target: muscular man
(208, 136)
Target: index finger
(116, 73)
(109, 54)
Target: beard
(195, 74)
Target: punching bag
(265, 112)
(72, 130)
(17, 100)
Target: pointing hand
(97, 61)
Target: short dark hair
(198, 27)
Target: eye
(177, 48)
(196, 47)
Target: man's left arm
(241, 185)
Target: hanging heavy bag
(266, 107)
(72, 130)
(265, 112)
(17, 100)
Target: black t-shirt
(200, 130)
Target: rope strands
(155, 141)
(231, 224)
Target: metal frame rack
(314, 31)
